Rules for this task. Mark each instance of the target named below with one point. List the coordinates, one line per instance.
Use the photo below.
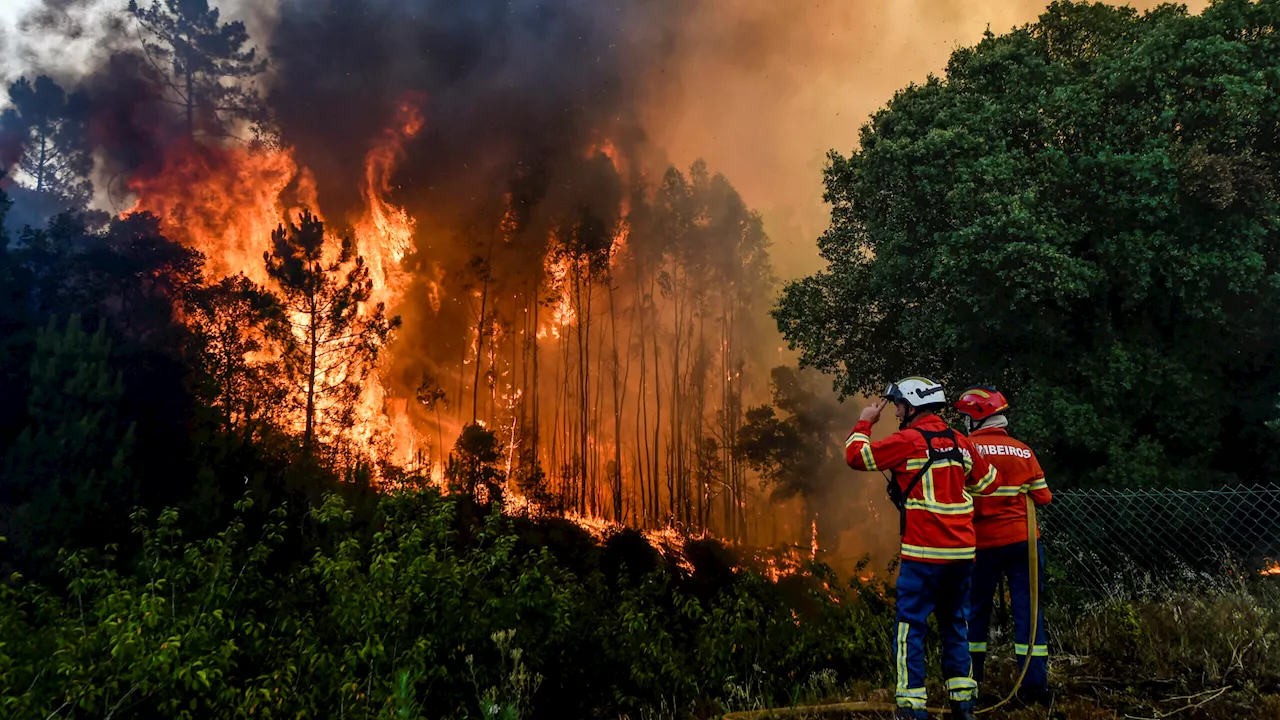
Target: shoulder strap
(933, 454)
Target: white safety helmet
(918, 392)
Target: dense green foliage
(67, 471)
(436, 608)
(1083, 212)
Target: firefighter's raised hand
(871, 413)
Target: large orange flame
(384, 234)
(384, 237)
(224, 202)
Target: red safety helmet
(981, 402)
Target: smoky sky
(506, 85)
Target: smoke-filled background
(568, 278)
(761, 90)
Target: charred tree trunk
(619, 399)
(534, 404)
(480, 329)
(42, 167)
(582, 282)
(313, 352)
(642, 423)
(657, 415)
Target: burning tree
(208, 65)
(50, 126)
(474, 464)
(336, 335)
(582, 244)
(431, 396)
(240, 328)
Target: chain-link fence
(1123, 541)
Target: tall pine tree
(50, 127)
(68, 474)
(336, 332)
(209, 71)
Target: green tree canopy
(1083, 212)
(795, 445)
(239, 330)
(68, 473)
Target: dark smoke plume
(510, 86)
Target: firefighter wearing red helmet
(1000, 523)
(933, 471)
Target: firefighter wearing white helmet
(932, 470)
(920, 394)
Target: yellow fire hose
(1033, 561)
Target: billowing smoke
(510, 87)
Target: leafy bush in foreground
(438, 611)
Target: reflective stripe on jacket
(1001, 518)
(940, 506)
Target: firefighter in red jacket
(934, 470)
(1000, 521)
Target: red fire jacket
(939, 508)
(1001, 518)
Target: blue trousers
(942, 590)
(992, 564)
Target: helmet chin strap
(909, 415)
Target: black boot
(962, 710)
(1040, 696)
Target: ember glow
(1272, 568)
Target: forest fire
(226, 201)
(498, 248)
(1272, 568)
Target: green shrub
(431, 613)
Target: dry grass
(1211, 652)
